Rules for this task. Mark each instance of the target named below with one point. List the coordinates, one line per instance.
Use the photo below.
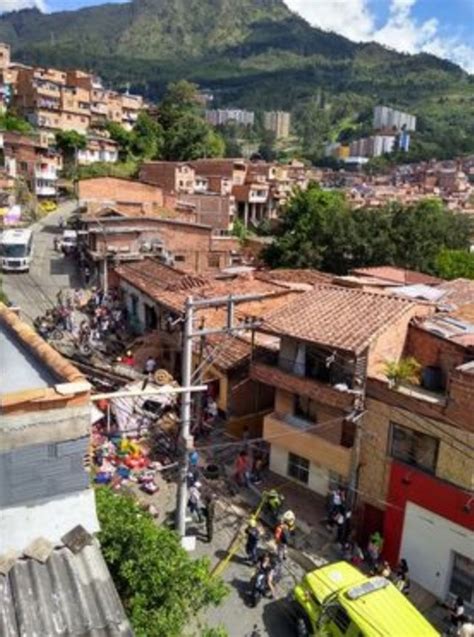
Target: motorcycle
(48, 331)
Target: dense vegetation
(11, 122)
(161, 587)
(179, 133)
(257, 54)
(319, 230)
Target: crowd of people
(89, 317)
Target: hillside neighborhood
(236, 391)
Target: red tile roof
(337, 317)
(397, 276)
(227, 352)
(290, 275)
(160, 282)
(170, 287)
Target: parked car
(338, 600)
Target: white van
(16, 250)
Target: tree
(69, 142)
(11, 122)
(161, 587)
(420, 231)
(267, 147)
(122, 136)
(317, 231)
(187, 135)
(181, 98)
(190, 137)
(147, 137)
(455, 264)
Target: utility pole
(355, 458)
(189, 333)
(186, 440)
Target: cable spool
(162, 377)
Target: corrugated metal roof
(71, 594)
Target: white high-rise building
(386, 118)
(220, 117)
(278, 122)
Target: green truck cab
(338, 600)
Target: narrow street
(34, 292)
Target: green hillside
(254, 53)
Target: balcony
(46, 172)
(45, 189)
(292, 434)
(267, 371)
(48, 90)
(48, 104)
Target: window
(340, 618)
(414, 447)
(179, 258)
(305, 408)
(298, 468)
(462, 578)
(213, 261)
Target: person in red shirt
(129, 359)
(242, 469)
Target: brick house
(131, 237)
(66, 100)
(45, 421)
(211, 209)
(172, 176)
(31, 158)
(417, 459)
(231, 170)
(331, 339)
(155, 295)
(98, 149)
(99, 192)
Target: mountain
(254, 53)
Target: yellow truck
(338, 600)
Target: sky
(442, 27)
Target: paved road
(271, 617)
(35, 292)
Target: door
(429, 543)
(462, 579)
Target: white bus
(16, 250)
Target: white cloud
(401, 31)
(16, 5)
(351, 18)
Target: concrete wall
(309, 445)
(42, 471)
(18, 430)
(318, 479)
(42, 454)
